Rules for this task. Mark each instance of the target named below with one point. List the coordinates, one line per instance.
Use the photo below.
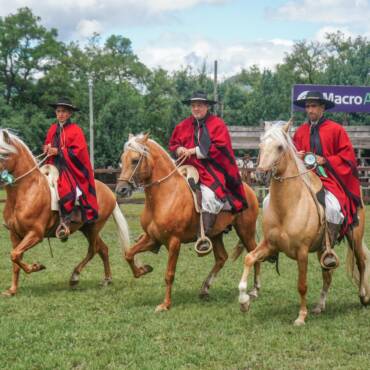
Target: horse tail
(352, 269)
(123, 232)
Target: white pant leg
(333, 212)
(210, 203)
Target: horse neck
(24, 163)
(163, 166)
(286, 192)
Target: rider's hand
(301, 154)
(320, 160)
(52, 151)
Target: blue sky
(176, 33)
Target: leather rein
(143, 154)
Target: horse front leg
(302, 262)
(19, 248)
(326, 282)
(261, 252)
(144, 244)
(220, 255)
(173, 254)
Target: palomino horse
(293, 222)
(169, 215)
(28, 216)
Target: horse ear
(6, 137)
(145, 137)
(130, 136)
(288, 125)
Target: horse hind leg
(104, 255)
(358, 263)
(91, 235)
(221, 256)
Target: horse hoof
(253, 294)
(143, 271)
(106, 282)
(161, 308)
(42, 267)
(299, 322)
(365, 301)
(148, 269)
(204, 296)
(318, 310)
(244, 307)
(8, 293)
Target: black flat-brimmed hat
(199, 96)
(315, 96)
(64, 102)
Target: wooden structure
(248, 138)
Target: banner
(346, 98)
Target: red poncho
(75, 169)
(332, 142)
(218, 170)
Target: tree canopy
(36, 69)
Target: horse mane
(277, 133)
(6, 148)
(134, 144)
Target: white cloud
(66, 15)
(232, 58)
(323, 11)
(87, 27)
(322, 32)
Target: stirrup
(205, 241)
(333, 257)
(62, 232)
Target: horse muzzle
(124, 189)
(263, 177)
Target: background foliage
(36, 69)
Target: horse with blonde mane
(29, 218)
(169, 217)
(293, 222)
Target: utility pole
(91, 113)
(215, 97)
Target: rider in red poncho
(65, 143)
(334, 152)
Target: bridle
(273, 170)
(144, 153)
(37, 165)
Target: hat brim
(206, 101)
(302, 102)
(71, 107)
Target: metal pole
(91, 111)
(215, 97)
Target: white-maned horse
(293, 222)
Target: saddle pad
(190, 172)
(51, 173)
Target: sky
(176, 33)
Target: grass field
(49, 326)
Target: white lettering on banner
(345, 99)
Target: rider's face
(314, 110)
(199, 109)
(63, 113)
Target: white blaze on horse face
(269, 153)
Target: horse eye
(280, 148)
(135, 162)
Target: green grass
(49, 326)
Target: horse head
(136, 165)
(8, 149)
(274, 145)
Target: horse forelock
(6, 148)
(277, 133)
(134, 144)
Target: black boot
(330, 259)
(62, 232)
(204, 246)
